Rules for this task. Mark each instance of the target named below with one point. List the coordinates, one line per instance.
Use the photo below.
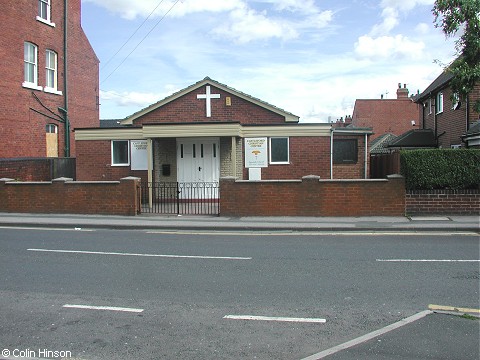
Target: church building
(208, 131)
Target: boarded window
(345, 151)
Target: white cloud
(245, 25)
(422, 29)
(133, 98)
(391, 14)
(385, 47)
(142, 8)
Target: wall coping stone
(62, 179)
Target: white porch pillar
(150, 172)
(234, 156)
(366, 156)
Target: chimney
(402, 93)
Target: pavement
(219, 223)
(431, 334)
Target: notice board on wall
(256, 153)
(139, 154)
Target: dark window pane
(120, 152)
(345, 151)
(279, 149)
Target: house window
(279, 150)
(439, 103)
(30, 61)
(120, 153)
(51, 129)
(345, 151)
(430, 106)
(455, 101)
(51, 72)
(44, 12)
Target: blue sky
(310, 57)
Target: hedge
(441, 169)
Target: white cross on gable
(208, 96)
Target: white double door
(198, 160)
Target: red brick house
(445, 114)
(387, 116)
(48, 75)
(446, 121)
(210, 130)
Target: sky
(312, 58)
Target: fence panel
(197, 198)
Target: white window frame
(31, 65)
(51, 70)
(455, 101)
(439, 103)
(51, 129)
(112, 153)
(429, 106)
(270, 151)
(47, 17)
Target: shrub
(441, 169)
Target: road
(179, 295)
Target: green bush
(441, 169)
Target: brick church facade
(208, 131)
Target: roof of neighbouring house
(417, 138)
(380, 144)
(440, 82)
(110, 123)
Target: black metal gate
(197, 198)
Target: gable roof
(289, 117)
(380, 144)
(439, 83)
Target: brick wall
(25, 169)
(189, 109)
(68, 197)
(447, 202)
(313, 197)
(94, 162)
(23, 133)
(472, 98)
(386, 115)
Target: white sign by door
(139, 154)
(256, 153)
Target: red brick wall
(188, 109)
(22, 133)
(113, 198)
(447, 202)
(94, 162)
(311, 197)
(452, 122)
(308, 156)
(472, 98)
(26, 169)
(386, 115)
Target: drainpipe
(331, 153)
(65, 80)
(366, 155)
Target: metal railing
(192, 198)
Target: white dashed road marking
(142, 255)
(279, 319)
(107, 308)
